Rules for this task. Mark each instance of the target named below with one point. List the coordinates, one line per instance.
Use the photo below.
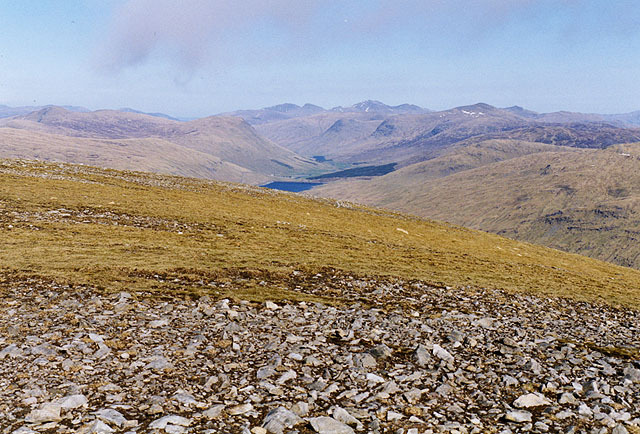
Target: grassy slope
(197, 231)
(140, 142)
(587, 201)
(149, 154)
(394, 189)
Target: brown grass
(578, 200)
(244, 241)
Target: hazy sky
(200, 57)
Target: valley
(214, 147)
(477, 166)
(137, 300)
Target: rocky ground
(414, 359)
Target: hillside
(7, 111)
(137, 301)
(383, 137)
(148, 154)
(581, 201)
(215, 147)
(321, 134)
(232, 228)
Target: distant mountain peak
(374, 106)
(46, 112)
(478, 107)
(284, 108)
(308, 106)
(158, 115)
(521, 111)
(371, 105)
(53, 109)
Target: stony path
(417, 360)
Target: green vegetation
(144, 232)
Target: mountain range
(565, 180)
(290, 111)
(380, 138)
(214, 147)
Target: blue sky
(201, 57)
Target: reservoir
(292, 186)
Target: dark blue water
(294, 187)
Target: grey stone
(271, 305)
(239, 409)
(422, 356)
(365, 360)
(165, 421)
(96, 427)
(531, 400)
(289, 375)
(328, 425)
(393, 415)
(374, 378)
(584, 410)
(629, 372)
(567, 398)
(301, 408)
(159, 363)
(342, 415)
(518, 416)
(24, 430)
(112, 416)
(159, 323)
(48, 412)
(11, 351)
(279, 419)
(265, 372)
(72, 401)
(184, 398)
(565, 414)
(214, 412)
(442, 354)
(619, 429)
(380, 351)
(486, 323)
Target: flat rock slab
(518, 416)
(46, 413)
(328, 425)
(276, 421)
(531, 400)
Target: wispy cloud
(191, 33)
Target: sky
(194, 58)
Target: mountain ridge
(194, 147)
